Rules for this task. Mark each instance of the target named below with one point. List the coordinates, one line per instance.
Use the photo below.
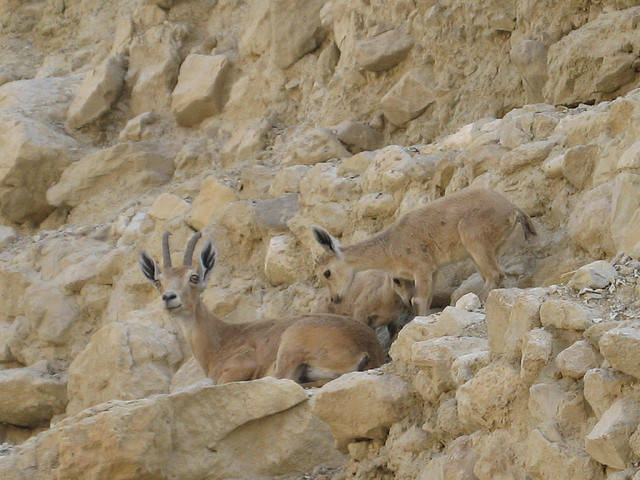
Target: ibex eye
(194, 278)
(327, 273)
(396, 281)
(156, 283)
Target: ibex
(372, 299)
(471, 222)
(311, 349)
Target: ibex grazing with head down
(471, 222)
(311, 349)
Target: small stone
(358, 136)
(168, 206)
(621, 348)
(565, 314)
(536, 353)
(383, 51)
(408, 98)
(598, 274)
(469, 302)
(211, 201)
(604, 386)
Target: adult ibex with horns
(311, 349)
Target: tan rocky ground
(251, 121)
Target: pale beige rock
(598, 274)
(408, 98)
(458, 322)
(555, 458)
(469, 302)
(578, 164)
(630, 158)
(122, 361)
(7, 235)
(625, 209)
(485, 400)
(295, 29)
(190, 372)
(466, 366)
(565, 314)
(608, 442)
(322, 184)
(287, 180)
(113, 174)
(383, 51)
(313, 147)
(525, 155)
(256, 37)
(361, 405)
(576, 360)
(621, 348)
(357, 164)
(358, 136)
(376, 205)
(211, 201)
(498, 309)
(200, 88)
(435, 357)
(31, 396)
(576, 70)
(417, 330)
(139, 128)
(97, 92)
(530, 58)
(284, 260)
(246, 141)
(156, 437)
(524, 317)
(585, 226)
(26, 142)
(560, 401)
(604, 386)
(154, 61)
(168, 206)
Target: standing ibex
(471, 222)
(310, 350)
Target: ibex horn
(166, 254)
(188, 254)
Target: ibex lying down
(310, 350)
(471, 222)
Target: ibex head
(179, 286)
(334, 271)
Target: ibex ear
(324, 238)
(207, 261)
(148, 266)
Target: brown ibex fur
(471, 222)
(311, 349)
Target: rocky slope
(252, 121)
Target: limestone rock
(200, 88)
(621, 348)
(485, 400)
(578, 164)
(122, 361)
(211, 201)
(31, 396)
(246, 141)
(383, 51)
(376, 205)
(295, 29)
(524, 317)
(154, 61)
(435, 358)
(139, 127)
(190, 372)
(466, 366)
(7, 235)
(168, 206)
(358, 136)
(608, 442)
(625, 204)
(313, 147)
(604, 386)
(577, 359)
(469, 302)
(530, 58)
(577, 72)
(274, 213)
(536, 353)
(560, 401)
(156, 437)
(112, 174)
(598, 274)
(97, 92)
(585, 226)
(408, 98)
(498, 307)
(565, 314)
(284, 260)
(361, 405)
(26, 142)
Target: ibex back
(471, 222)
(311, 349)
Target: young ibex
(471, 222)
(311, 349)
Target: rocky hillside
(252, 121)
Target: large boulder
(409, 97)
(123, 361)
(34, 155)
(361, 405)
(252, 429)
(30, 396)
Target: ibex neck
(369, 253)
